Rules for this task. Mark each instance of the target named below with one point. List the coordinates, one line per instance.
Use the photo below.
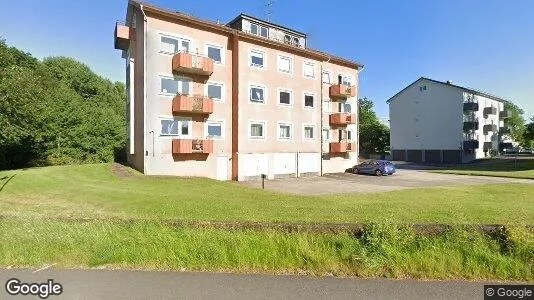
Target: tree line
(57, 111)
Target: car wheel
(378, 173)
(355, 171)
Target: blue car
(375, 167)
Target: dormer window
(259, 30)
(287, 39)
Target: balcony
(123, 36)
(505, 130)
(342, 146)
(342, 91)
(470, 106)
(194, 104)
(470, 124)
(192, 146)
(505, 114)
(489, 127)
(487, 146)
(193, 64)
(490, 111)
(342, 119)
(470, 145)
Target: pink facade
(258, 106)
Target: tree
(528, 134)
(374, 136)
(516, 122)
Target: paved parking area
(351, 183)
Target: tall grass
(381, 250)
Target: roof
(249, 17)
(469, 90)
(222, 28)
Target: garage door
(284, 163)
(255, 164)
(309, 162)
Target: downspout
(144, 89)
(321, 116)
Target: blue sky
(483, 44)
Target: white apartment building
(440, 122)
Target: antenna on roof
(268, 9)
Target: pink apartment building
(234, 101)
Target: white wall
(427, 119)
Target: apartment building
(440, 122)
(233, 101)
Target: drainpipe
(144, 86)
(321, 116)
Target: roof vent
(449, 82)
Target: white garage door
(309, 162)
(284, 163)
(255, 164)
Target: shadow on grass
(7, 180)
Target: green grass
(381, 251)
(523, 168)
(93, 191)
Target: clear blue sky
(483, 44)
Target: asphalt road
(103, 284)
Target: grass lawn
(35, 229)
(523, 168)
(94, 191)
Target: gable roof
(466, 89)
(224, 29)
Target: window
(215, 91)
(257, 130)
(175, 127)
(257, 94)
(285, 97)
(309, 132)
(309, 70)
(345, 107)
(309, 101)
(214, 130)
(345, 80)
(285, 64)
(285, 131)
(259, 30)
(215, 53)
(326, 134)
(172, 86)
(256, 58)
(345, 135)
(422, 88)
(171, 45)
(326, 77)
(326, 107)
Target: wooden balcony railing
(196, 104)
(190, 63)
(341, 91)
(341, 119)
(181, 146)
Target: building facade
(439, 122)
(233, 101)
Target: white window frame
(291, 65)
(304, 63)
(304, 94)
(259, 30)
(260, 86)
(257, 51)
(326, 106)
(174, 77)
(341, 106)
(278, 137)
(329, 77)
(329, 134)
(290, 91)
(344, 77)
(304, 138)
(174, 37)
(189, 121)
(216, 46)
(223, 91)
(211, 122)
(264, 131)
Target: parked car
(375, 167)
